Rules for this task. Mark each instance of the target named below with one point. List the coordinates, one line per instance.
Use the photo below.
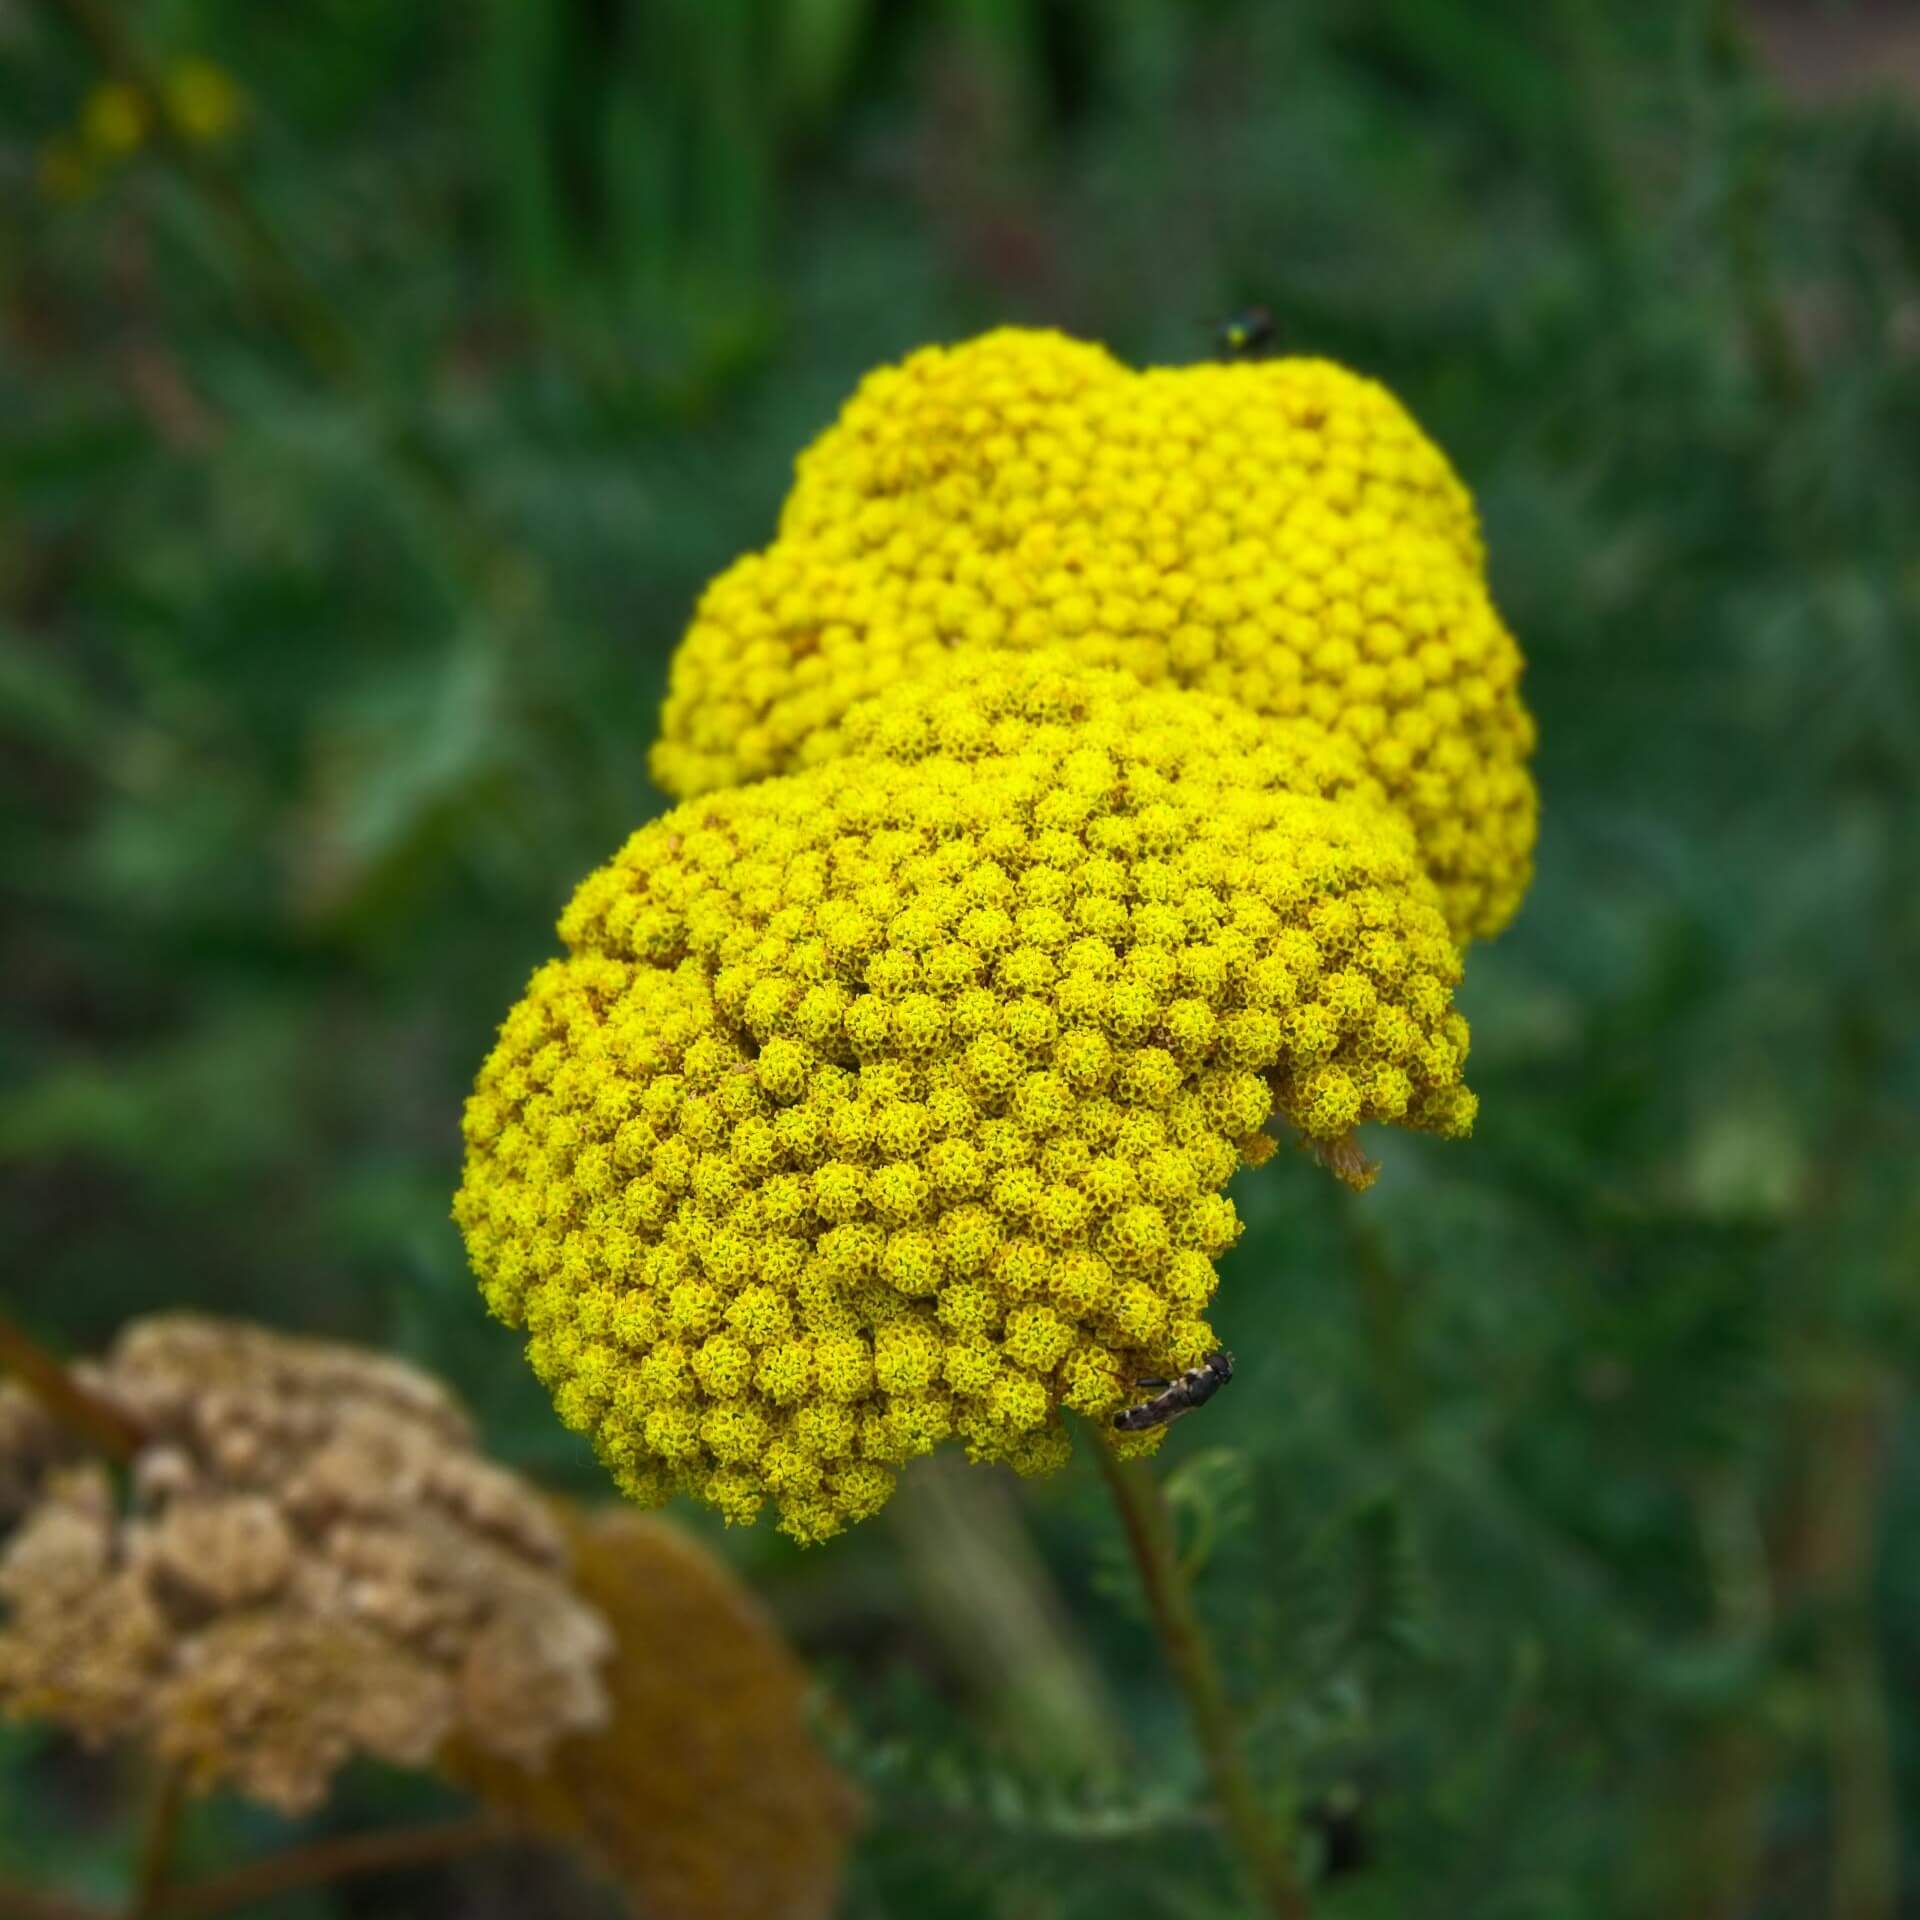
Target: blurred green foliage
(1564, 1545)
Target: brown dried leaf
(706, 1795)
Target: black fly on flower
(1194, 1388)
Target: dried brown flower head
(30, 1446)
(315, 1562)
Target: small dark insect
(1247, 334)
(1193, 1389)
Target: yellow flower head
(114, 119)
(894, 1100)
(1278, 532)
(204, 101)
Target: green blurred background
(1562, 1531)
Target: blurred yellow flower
(114, 120)
(203, 100)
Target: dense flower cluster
(317, 1563)
(894, 1099)
(1096, 766)
(1279, 532)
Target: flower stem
(159, 1845)
(1849, 1414)
(983, 1589)
(1258, 1836)
(83, 1413)
(332, 1860)
(299, 1868)
(29, 1903)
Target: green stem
(30, 1903)
(295, 1871)
(985, 1591)
(159, 1845)
(1848, 1415)
(1259, 1837)
(1748, 211)
(1382, 1292)
(1816, 1564)
(334, 1860)
(1714, 1829)
(84, 1414)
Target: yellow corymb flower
(1277, 532)
(113, 120)
(203, 100)
(894, 1100)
